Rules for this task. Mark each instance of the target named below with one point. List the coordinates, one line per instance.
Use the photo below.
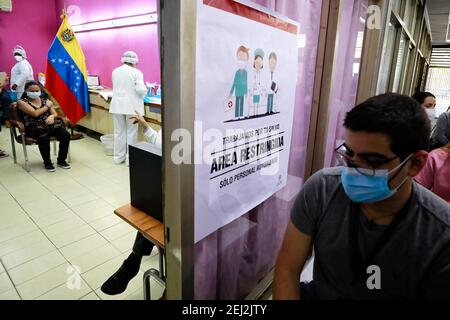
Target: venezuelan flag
(66, 76)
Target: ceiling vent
(440, 57)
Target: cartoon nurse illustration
(256, 81)
(240, 83)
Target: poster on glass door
(246, 73)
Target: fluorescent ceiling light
(117, 22)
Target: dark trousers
(5, 101)
(307, 291)
(239, 108)
(142, 247)
(269, 103)
(43, 141)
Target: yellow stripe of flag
(72, 47)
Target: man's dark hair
(399, 117)
(421, 96)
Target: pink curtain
(346, 74)
(230, 262)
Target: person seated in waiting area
(5, 101)
(41, 124)
(428, 101)
(436, 173)
(118, 282)
(441, 135)
(376, 233)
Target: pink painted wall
(103, 48)
(32, 25)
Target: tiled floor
(59, 237)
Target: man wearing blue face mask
(376, 233)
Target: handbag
(58, 124)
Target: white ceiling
(438, 10)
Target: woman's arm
(53, 114)
(51, 108)
(25, 107)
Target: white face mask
(33, 95)
(431, 113)
(18, 58)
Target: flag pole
(73, 135)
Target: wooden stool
(153, 230)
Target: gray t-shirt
(414, 261)
(441, 132)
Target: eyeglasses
(366, 167)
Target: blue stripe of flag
(67, 69)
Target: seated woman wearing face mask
(41, 124)
(428, 101)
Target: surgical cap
(18, 49)
(130, 57)
(259, 53)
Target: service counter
(101, 121)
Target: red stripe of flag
(61, 92)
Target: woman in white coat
(129, 91)
(21, 73)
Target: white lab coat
(129, 91)
(21, 73)
(257, 83)
(257, 88)
(153, 136)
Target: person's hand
(138, 118)
(50, 120)
(14, 86)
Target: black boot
(118, 282)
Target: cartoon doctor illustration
(240, 83)
(273, 86)
(256, 81)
